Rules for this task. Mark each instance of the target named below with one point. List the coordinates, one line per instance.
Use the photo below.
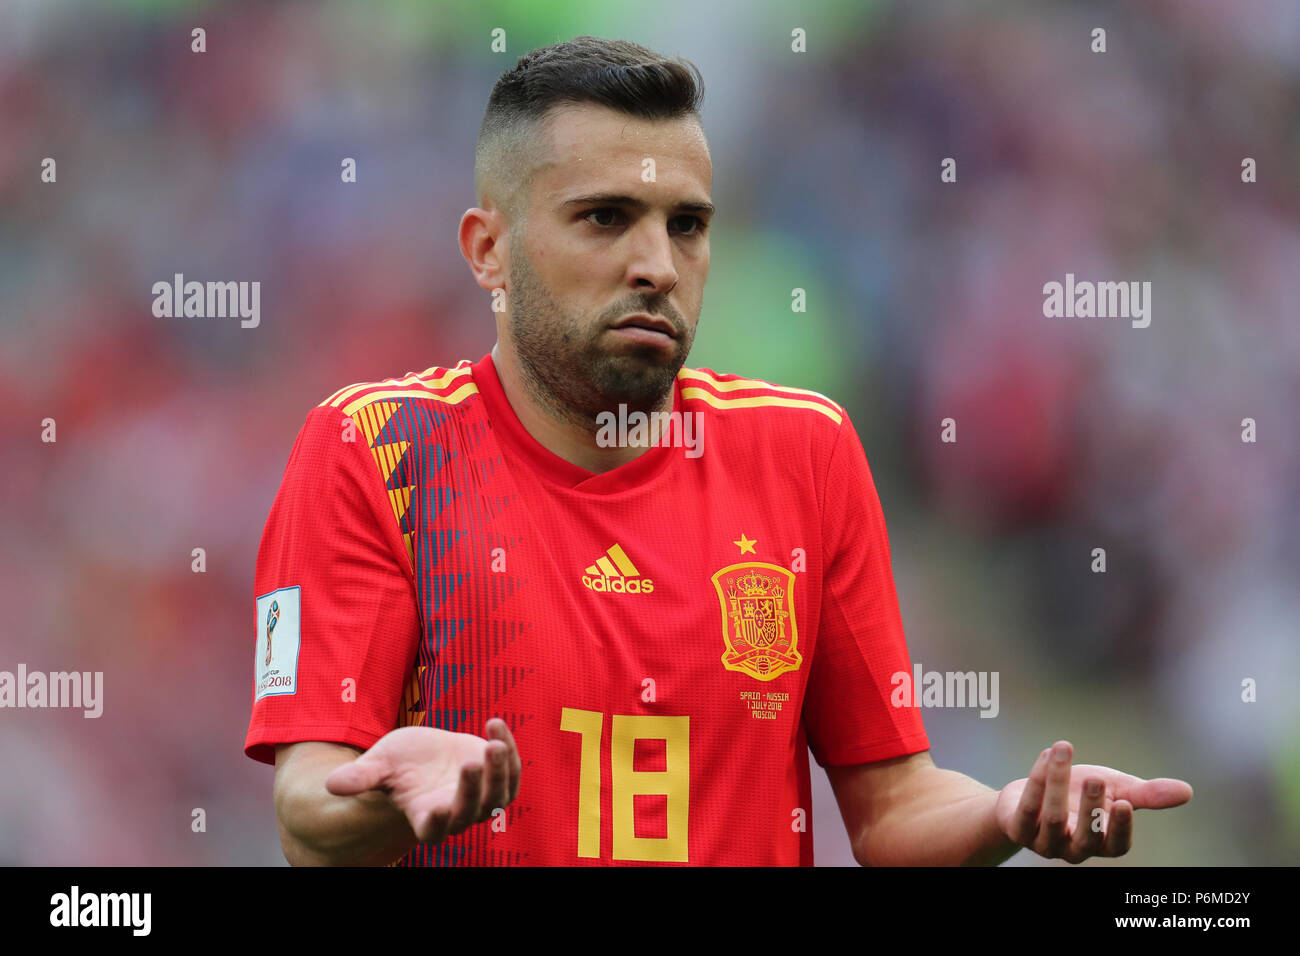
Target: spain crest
(758, 624)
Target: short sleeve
(860, 642)
(337, 621)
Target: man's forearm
(943, 818)
(318, 828)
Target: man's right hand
(444, 782)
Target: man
(656, 621)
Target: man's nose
(652, 262)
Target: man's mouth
(645, 327)
(641, 328)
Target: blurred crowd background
(925, 302)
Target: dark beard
(567, 371)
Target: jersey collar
(552, 467)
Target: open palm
(1044, 810)
(444, 782)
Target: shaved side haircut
(619, 74)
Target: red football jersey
(666, 640)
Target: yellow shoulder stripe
(455, 398)
(760, 401)
(421, 378)
(745, 383)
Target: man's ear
(484, 242)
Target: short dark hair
(619, 74)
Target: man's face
(601, 244)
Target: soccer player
(652, 588)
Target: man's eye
(610, 210)
(610, 216)
(700, 224)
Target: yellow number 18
(673, 782)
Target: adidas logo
(614, 571)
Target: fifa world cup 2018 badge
(272, 616)
(758, 625)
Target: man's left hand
(1073, 813)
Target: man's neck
(574, 443)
